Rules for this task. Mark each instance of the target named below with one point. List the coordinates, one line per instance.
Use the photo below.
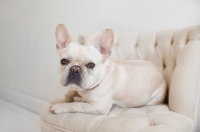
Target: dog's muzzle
(74, 75)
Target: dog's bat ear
(63, 38)
(104, 42)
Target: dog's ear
(63, 38)
(104, 42)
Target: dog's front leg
(97, 107)
(70, 96)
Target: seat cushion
(156, 118)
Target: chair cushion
(156, 118)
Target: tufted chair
(177, 54)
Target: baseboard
(22, 99)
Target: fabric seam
(56, 127)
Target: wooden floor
(16, 119)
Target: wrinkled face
(80, 66)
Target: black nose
(75, 70)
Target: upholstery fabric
(176, 53)
(143, 119)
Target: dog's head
(82, 67)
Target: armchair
(177, 54)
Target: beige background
(28, 67)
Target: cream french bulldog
(96, 83)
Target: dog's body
(96, 82)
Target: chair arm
(185, 82)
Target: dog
(96, 83)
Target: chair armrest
(185, 82)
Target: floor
(13, 118)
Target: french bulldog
(96, 83)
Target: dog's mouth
(74, 80)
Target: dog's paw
(57, 109)
(56, 101)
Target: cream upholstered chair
(177, 54)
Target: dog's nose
(75, 69)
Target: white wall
(27, 44)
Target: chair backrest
(175, 52)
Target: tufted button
(172, 41)
(136, 45)
(151, 124)
(164, 65)
(156, 44)
(187, 39)
(81, 40)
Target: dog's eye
(64, 61)
(90, 65)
